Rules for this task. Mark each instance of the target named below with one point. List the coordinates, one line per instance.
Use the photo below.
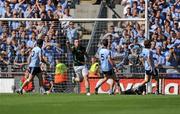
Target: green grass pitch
(94, 104)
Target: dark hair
(147, 43)
(39, 42)
(105, 42)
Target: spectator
(59, 11)
(159, 59)
(4, 9)
(72, 33)
(48, 83)
(32, 40)
(28, 13)
(141, 7)
(66, 15)
(30, 86)
(3, 60)
(153, 47)
(50, 6)
(60, 79)
(172, 59)
(49, 54)
(134, 56)
(120, 55)
(21, 56)
(8, 14)
(94, 69)
(128, 14)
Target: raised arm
(68, 46)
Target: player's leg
(156, 76)
(86, 80)
(102, 81)
(147, 78)
(76, 79)
(110, 76)
(111, 92)
(39, 75)
(115, 78)
(117, 84)
(78, 73)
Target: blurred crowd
(164, 33)
(51, 9)
(17, 38)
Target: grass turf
(82, 104)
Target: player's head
(93, 59)
(147, 44)
(76, 42)
(39, 42)
(105, 42)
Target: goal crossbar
(73, 19)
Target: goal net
(20, 36)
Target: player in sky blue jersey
(148, 62)
(35, 59)
(107, 67)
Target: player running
(107, 67)
(148, 62)
(35, 59)
(81, 71)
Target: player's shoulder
(37, 48)
(146, 50)
(82, 47)
(105, 50)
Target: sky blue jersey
(35, 60)
(104, 54)
(147, 53)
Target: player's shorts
(110, 73)
(34, 70)
(81, 71)
(150, 73)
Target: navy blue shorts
(34, 70)
(149, 72)
(109, 73)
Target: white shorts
(81, 71)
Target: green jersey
(78, 55)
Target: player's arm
(141, 60)
(150, 60)
(42, 58)
(87, 57)
(112, 62)
(29, 58)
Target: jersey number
(33, 52)
(102, 57)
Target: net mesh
(19, 37)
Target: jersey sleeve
(109, 54)
(40, 53)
